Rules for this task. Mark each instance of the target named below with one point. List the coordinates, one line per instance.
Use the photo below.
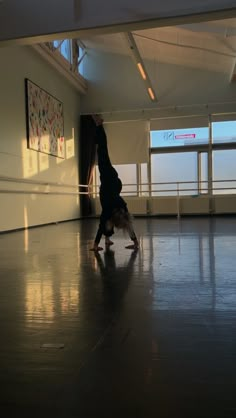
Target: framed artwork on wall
(44, 121)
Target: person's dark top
(106, 215)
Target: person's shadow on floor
(116, 280)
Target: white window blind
(128, 142)
(179, 123)
(223, 118)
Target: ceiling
(208, 46)
(26, 22)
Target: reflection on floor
(130, 334)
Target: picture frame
(44, 121)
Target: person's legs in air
(110, 181)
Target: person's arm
(98, 235)
(97, 240)
(101, 230)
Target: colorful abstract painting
(45, 123)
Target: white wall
(115, 84)
(16, 160)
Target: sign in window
(179, 137)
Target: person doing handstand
(114, 208)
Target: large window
(73, 51)
(182, 159)
(174, 168)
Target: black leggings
(110, 183)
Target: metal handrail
(93, 189)
(7, 191)
(178, 189)
(170, 182)
(40, 183)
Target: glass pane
(223, 132)
(144, 188)
(204, 172)
(224, 168)
(56, 43)
(173, 168)
(97, 177)
(179, 137)
(65, 49)
(81, 65)
(128, 176)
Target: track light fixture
(140, 65)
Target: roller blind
(223, 118)
(179, 123)
(128, 142)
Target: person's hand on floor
(134, 246)
(108, 242)
(96, 248)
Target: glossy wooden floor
(123, 334)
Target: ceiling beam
(28, 22)
(159, 112)
(208, 27)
